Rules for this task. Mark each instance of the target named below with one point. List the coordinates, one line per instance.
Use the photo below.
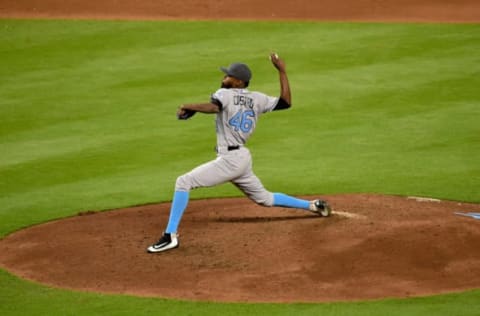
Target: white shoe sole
(173, 244)
(326, 212)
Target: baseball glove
(185, 114)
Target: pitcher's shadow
(262, 219)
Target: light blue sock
(179, 204)
(280, 199)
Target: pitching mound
(232, 250)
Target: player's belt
(229, 148)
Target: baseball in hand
(274, 55)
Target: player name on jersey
(243, 101)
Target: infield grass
(88, 122)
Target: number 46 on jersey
(242, 120)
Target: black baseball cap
(239, 71)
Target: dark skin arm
(198, 107)
(284, 84)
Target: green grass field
(87, 112)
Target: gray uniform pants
(234, 166)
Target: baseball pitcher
(237, 110)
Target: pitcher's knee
(183, 183)
(264, 199)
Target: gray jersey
(235, 122)
(238, 116)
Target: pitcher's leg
(283, 200)
(209, 174)
(319, 207)
(253, 188)
(218, 171)
(179, 204)
(251, 185)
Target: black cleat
(322, 208)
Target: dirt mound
(373, 246)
